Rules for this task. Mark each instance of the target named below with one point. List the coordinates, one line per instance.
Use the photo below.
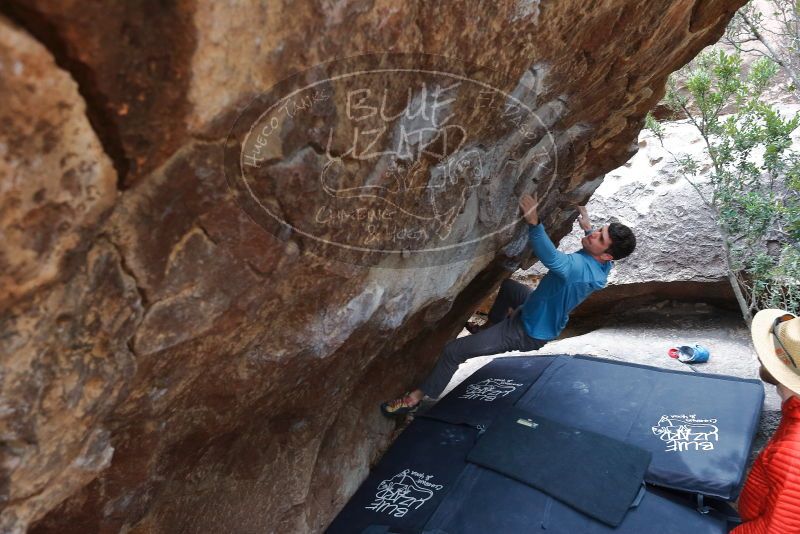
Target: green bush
(753, 189)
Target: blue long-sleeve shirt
(570, 279)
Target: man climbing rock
(522, 319)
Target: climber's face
(597, 244)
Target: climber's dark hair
(622, 241)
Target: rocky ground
(645, 335)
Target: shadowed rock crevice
(117, 70)
(97, 106)
(619, 298)
(143, 300)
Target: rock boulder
(169, 364)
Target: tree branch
(773, 53)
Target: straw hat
(778, 346)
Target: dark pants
(506, 333)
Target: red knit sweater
(770, 500)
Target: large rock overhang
(169, 365)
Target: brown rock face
(57, 181)
(119, 54)
(173, 360)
